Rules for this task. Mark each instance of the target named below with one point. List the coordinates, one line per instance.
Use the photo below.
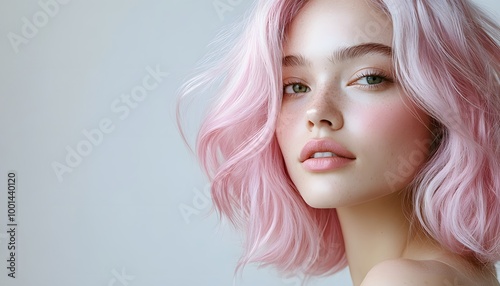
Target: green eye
(374, 79)
(295, 88)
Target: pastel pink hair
(447, 59)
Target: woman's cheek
(395, 141)
(285, 129)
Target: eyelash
(385, 77)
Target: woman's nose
(324, 113)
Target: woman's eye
(295, 88)
(371, 80)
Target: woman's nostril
(324, 121)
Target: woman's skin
(340, 97)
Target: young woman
(364, 134)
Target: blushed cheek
(288, 131)
(371, 122)
(398, 142)
(280, 128)
(283, 131)
(286, 120)
(391, 123)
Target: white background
(115, 219)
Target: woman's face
(347, 133)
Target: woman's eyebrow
(341, 54)
(293, 61)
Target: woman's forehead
(339, 22)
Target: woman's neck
(376, 231)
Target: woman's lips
(325, 164)
(323, 155)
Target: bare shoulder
(399, 272)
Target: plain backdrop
(107, 193)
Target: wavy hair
(447, 59)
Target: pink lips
(341, 158)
